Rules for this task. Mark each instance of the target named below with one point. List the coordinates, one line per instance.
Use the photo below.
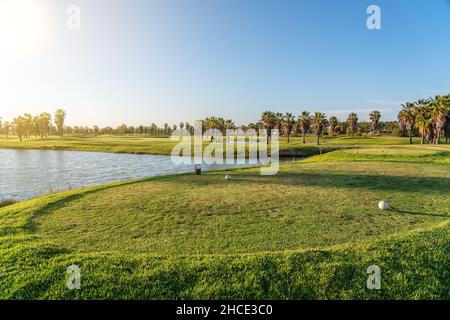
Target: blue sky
(148, 61)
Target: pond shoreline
(29, 173)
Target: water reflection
(26, 174)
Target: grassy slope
(145, 145)
(206, 214)
(197, 259)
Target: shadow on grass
(242, 177)
(436, 185)
(438, 215)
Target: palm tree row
(313, 123)
(430, 116)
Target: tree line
(318, 124)
(40, 125)
(429, 118)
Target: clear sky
(148, 61)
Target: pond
(26, 174)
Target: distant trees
(429, 118)
(122, 129)
(375, 117)
(20, 126)
(60, 116)
(96, 130)
(166, 128)
(352, 121)
(28, 124)
(6, 128)
(332, 125)
(188, 127)
(43, 124)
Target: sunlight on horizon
(24, 26)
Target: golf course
(309, 232)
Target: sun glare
(23, 26)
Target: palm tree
(375, 120)
(252, 126)
(424, 123)
(402, 122)
(268, 122)
(304, 122)
(447, 131)
(352, 121)
(60, 116)
(440, 110)
(409, 115)
(318, 122)
(229, 124)
(288, 124)
(166, 128)
(278, 124)
(333, 122)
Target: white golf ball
(383, 205)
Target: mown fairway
(310, 231)
(164, 145)
(118, 144)
(304, 206)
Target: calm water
(26, 174)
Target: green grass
(115, 144)
(309, 232)
(164, 145)
(127, 144)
